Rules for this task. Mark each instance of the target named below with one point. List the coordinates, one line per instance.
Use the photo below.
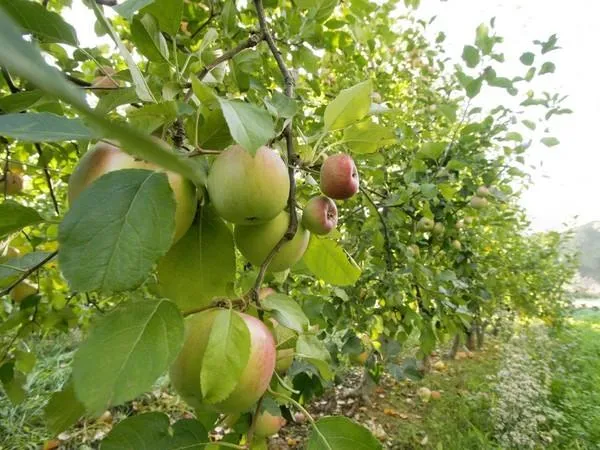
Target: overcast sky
(566, 176)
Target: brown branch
(252, 41)
(38, 147)
(386, 233)
(291, 156)
(29, 272)
(202, 152)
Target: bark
(455, 346)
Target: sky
(564, 177)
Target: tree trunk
(455, 345)
(480, 336)
(471, 338)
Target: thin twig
(212, 15)
(291, 156)
(218, 302)
(252, 41)
(202, 152)
(38, 147)
(29, 272)
(386, 234)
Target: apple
(424, 394)
(283, 360)
(23, 290)
(255, 242)
(460, 224)
(268, 424)
(439, 228)
(265, 292)
(339, 177)
(246, 189)
(469, 220)
(11, 184)
(255, 378)
(479, 202)
(360, 359)
(105, 157)
(436, 395)
(320, 215)
(104, 78)
(456, 244)
(414, 251)
(425, 224)
(483, 191)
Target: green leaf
(368, 137)
(126, 351)
(550, 141)
(20, 101)
(15, 267)
(116, 230)
(151, 431)
(141, 87)
(483, 41)
(249, 125)
(328, 261)
(474, 87)
(148, 39)
(14, 216)
(471, 56)
(341, 433)
(116, 97)
(513, 136)
(213, 132)
(149, 117)
(351, 105)
(529, 124)
(48, 26)
(286, 311)
(12, 383)
(281, 105)
(201, 265)
(432, 150)
(63, 409)
(43, 127)
(527, 58)
(313, 350)
(226, 356)
(169, 14)
(21, 58)
(547, 67)
(324, 10)
(128, 8)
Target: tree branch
(29, 272)
(38, 147)
(386, 234)
(212, 15)
(252, 41)
(291, 156)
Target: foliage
(308, 79)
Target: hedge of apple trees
(249, 195)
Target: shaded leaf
(286, 311)
(63, 409)
(341, 433)
(43, 127)
(14, 216)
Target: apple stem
(291, 156)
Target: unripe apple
(185, 371)
(12, 184)
(439, 228)
(469, 220)
(255, 242)
(414, 251)
(456, 244)
(284, 359)
(479, 202)
(23, 290)
(320, 215)
(246, 189)
(483, 191)
(360, 359)
(339, 177)
(425, 224)
(268, 424)
(105, 157)
(460, 224)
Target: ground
(463, 412)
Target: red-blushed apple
(268, 424)
(479, 202)
(320, 215)
(265, 292)
(255, 242)
(339, 177)
(246, 189)
(12, 183)
(106, 157)
(255, 378)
